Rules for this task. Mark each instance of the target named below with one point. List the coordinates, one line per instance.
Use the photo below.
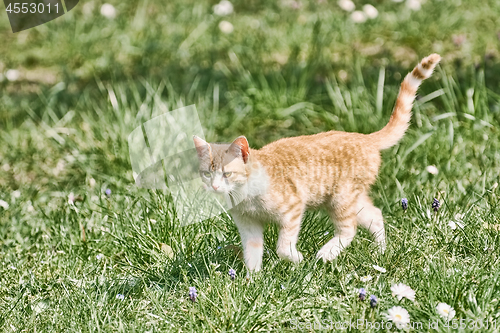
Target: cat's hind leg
(343, 212)
(371, 218)
(289, 229)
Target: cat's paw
(292, 256)
(328, 253)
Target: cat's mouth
(212, 190)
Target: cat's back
(339, 155)
(332, 143)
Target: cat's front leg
(289, 233)
(252, 240)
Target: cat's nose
(215, 186)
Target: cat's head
(223, 167)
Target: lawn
(83, 249)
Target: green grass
(282, 72)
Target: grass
(282, 72)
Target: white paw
(328, 253)
(293, 256)
(253, 263)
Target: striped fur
(279, 182)
(398, 124)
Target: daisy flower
(370, 11)
(445, 311)
(380, 269)
(398, 316)
(71, 198)
(432, 170)
(4, 204)
(347, 5)
(358, 16)
(223, 8)
(414, 4)
(108, 11)
(12, 75)
(401, 290)
(226, 27)
(366, 278)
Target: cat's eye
(206, 174)
(227, 174)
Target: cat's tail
(400, 118)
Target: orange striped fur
(333, 170)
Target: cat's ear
(239, 147)
(202, 147)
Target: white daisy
(445, 311)
(226, 27)
(108, 11)
(366, 278)
(71, 198)
(432, 169)
(452, 225)
(398, 316)
(16, 194)
(380, 269)
(223, 8)
(4, 204)
(358, 16)
(370, 11)
(414, 4)
(12, 75)
(401, 290)
(120, 297)
(347, 5)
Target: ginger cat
(333, 170)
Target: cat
(333, 170)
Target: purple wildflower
(232, 273)
(373, 301)
(404, 203)
(436, 205)
(192, 294)
(362, 294)
(108, 192)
